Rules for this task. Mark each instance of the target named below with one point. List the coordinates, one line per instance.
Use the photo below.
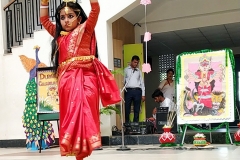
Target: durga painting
(204, 86)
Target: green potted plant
(110, 109)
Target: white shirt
(133, 78)
(154, 116)
(166, 103)
(167, 90)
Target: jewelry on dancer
(66, 1)
(43, 7)
(64, 33)
(67, 8)
(70, 23)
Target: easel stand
(123, 147)
(210, 132)
(46, 117)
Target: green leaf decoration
(118, 71)
(108, 110)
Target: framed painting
(47, 91)
(205, 87)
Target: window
(166, 61)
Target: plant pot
(237, 134)
(167, 136)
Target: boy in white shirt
(159, 98)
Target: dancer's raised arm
(44, 8)
(44, 18)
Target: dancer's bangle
(43, 7)
(44, 2)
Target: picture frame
(205, 83)
(47, 91)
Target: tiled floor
(148, 152)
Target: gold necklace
(64, 33)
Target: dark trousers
(132, 95)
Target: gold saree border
(77, 149)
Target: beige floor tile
(146, 152)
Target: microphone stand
(123, 147)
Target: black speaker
(161, 120)
(132, 128)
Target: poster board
(205, 87)
(47, 91)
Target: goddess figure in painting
(204, 79)
(82, 79)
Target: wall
(2, 125)
(3, 107)
(185, 14)
(122, 33)
(152, 81)
(110, 12)
(13, 77)
(2, 25)
(118, 53)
